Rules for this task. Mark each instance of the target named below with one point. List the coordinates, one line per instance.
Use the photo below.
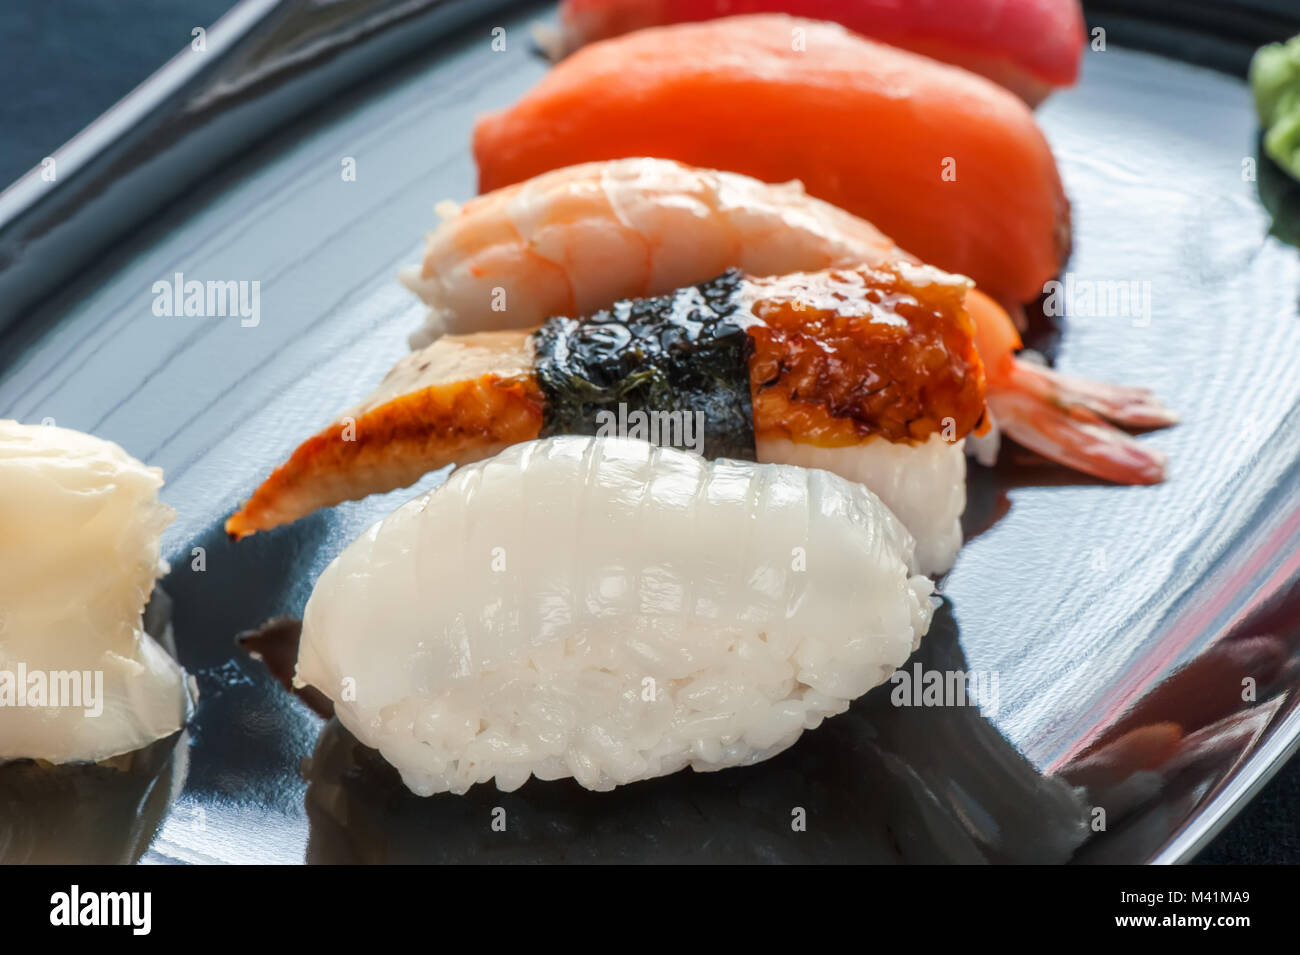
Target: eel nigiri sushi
(947, 163)
(871, 373)
(80, 531)
(574, 240)
(606, 610)
(1028, 46)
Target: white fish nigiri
(612, 611)
(80, 531)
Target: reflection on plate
(879, 783)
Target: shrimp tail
(1127, 405)
(1066, 419)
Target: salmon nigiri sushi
(1029, 46)
(950, 165)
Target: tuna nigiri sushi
(947, 163)
(573, 240)
(609, 611)
(871, 373)
(1028, 46)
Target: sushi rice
(924, 485)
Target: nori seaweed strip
(682, 352)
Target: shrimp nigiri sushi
(947, 163)
(602, 609)
(1028, 46)
(573, 240)
(871, 373)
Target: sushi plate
(303, 150)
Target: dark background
(63, 62)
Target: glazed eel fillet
(869, 372)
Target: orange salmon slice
(949, 164)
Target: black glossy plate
(1145, 640)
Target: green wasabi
(1275, 77)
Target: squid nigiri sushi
(80, 537)
(947, 163)
(871, 373)
(602, 609)
(1028, 46)
(573, 240)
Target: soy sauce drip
(275, 645)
